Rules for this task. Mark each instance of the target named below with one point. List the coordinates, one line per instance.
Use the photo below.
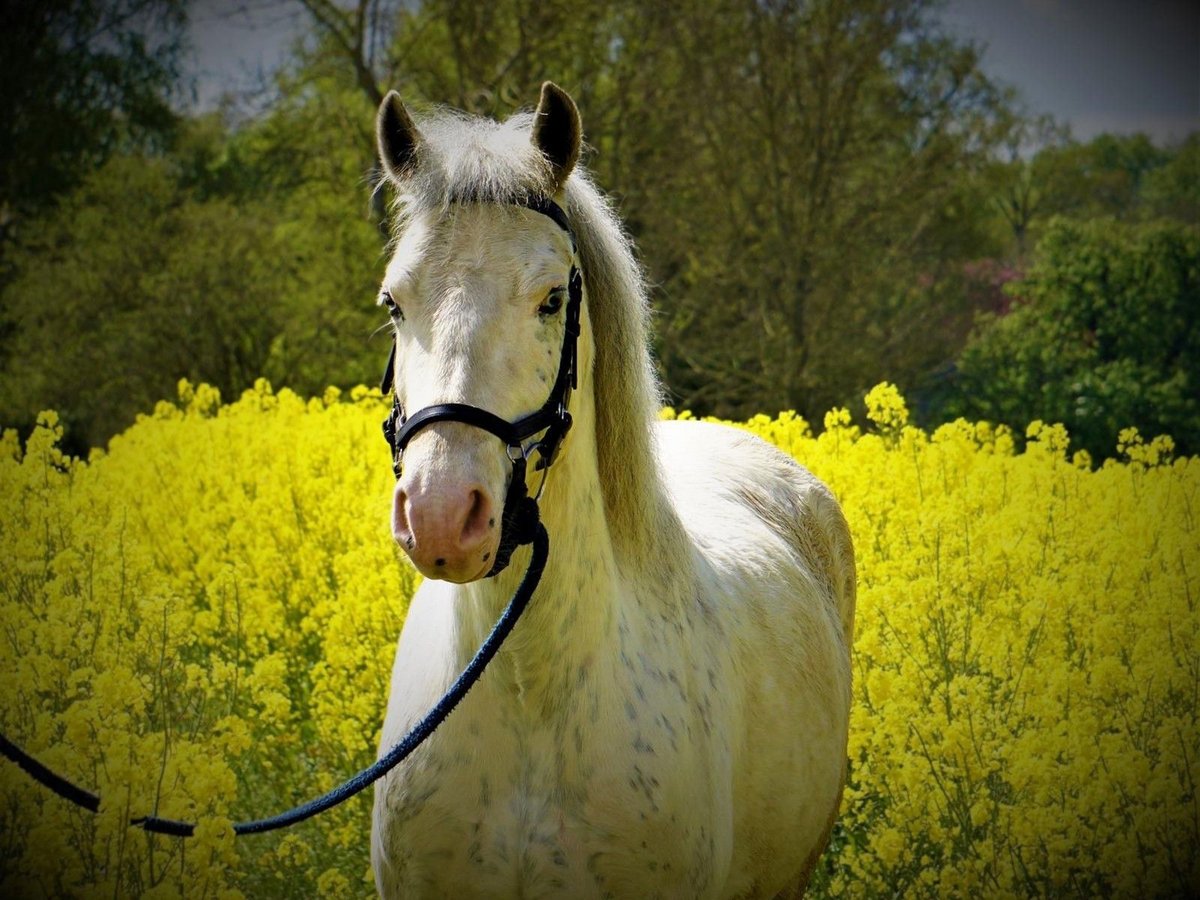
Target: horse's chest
(603, 802)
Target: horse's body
(669, 717)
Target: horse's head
(477, 289)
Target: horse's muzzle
(450, 531)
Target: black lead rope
(368, 776)
(521, 525)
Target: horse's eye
(553, 303)
(394, 311)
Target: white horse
(669, 718)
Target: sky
(234, 49)
(1098, 65)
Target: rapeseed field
(200, 622)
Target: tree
(1104, 335)
(1025, 188)
(229, 254)
(1107, 176)
(783, 166)
(360, 36)
(813, 223)
(235, 256)
(309, 159)
(81, 79)
(805, 181)
(127, 286)
(1173, 189)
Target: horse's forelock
(469, 159)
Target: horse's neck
(572, 621)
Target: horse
(670, 716)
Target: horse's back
(775, 551)
(748, 505)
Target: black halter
(552, 420)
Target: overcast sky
(1099, 65)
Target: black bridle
(521, 525)
(552, 420)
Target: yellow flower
(886, 408)
(199, 625)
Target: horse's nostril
(479, 519)
(401, 528)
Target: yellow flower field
(200, 622)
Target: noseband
(551, 420)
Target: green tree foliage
(1173, 189)
(783, 165)
(80, 79)
(1126, 177)
(235, 257)
(310, 161)
(1104, 334)
(128, 285)
(814, 188)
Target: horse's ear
(557, 131)
(398, 139)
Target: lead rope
(534, 533)
(521, 518)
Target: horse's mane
(463, 158)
